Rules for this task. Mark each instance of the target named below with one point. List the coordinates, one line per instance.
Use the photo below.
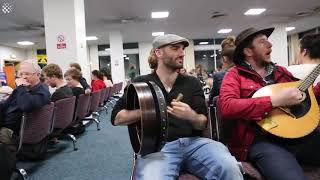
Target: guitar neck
(308, 81)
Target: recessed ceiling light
(91, 38)
(157, 33)
(290, 28)
(163, 14)
(203, 43)
(107, 49)
(25, 43)
(256, 11)
(224, 31)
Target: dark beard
(171, 64)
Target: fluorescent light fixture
(126, 58)
(211, 55)
(25, 43)
(203, 43)
(163, 14)
(157, 33)
(256, 11)
(107, 49)
(91, 38)
(224, 31)
(290, 28)
(124, 55)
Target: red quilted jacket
(236, 104)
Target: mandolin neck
(308, 81)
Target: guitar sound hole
(301, 109)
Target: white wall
(279, 42)
(7, 52)
(144, 52)
(32, 54)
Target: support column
(116, 55)
(65, 31)
(144, 52)
(189, 59)
(93, 57)
(279, 42)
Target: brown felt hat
(244, 38)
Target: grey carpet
(102, 155)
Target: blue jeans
(277, 158)
(202, 157)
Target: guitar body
(290, 122)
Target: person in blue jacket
(29, 95)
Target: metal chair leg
(23, 174)
(74, 140)
(97, 122)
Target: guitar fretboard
(308, 81)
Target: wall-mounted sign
(61, 44)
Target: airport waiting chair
(93, 109)
(63, 117)
(102, 98)
(36, 126)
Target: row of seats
(51, 120)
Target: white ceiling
(189, 18)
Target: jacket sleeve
(233, 106)
(28, 101)
(84, 83)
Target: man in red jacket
(276, 158)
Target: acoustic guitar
(294, 121)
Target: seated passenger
(83, 81)
(97, 81)
(185, 148)
(52, 74)
(276, 157)
(29, 95)
(107, 78)
(306, 63)
(73, 77)
(227, 46)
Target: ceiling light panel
(157, 33)
(256, 11)
(25, 43)
(91, 38)
(224, 31)
(163, 14)
(290, 28)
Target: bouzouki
(149, 134)
(294, 121)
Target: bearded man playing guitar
(276, 157)
(202, 157)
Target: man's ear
(304, 52)
(247, 52)
(158, 52)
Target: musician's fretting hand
(184, 112)
(287, 97)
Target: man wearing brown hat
(276, 158)
(202, 157)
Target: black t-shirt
(77, 91)
(193, 95)
(61, 93)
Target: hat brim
(239, 48)
(184, 42)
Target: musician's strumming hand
(183, 111)
(287, 97)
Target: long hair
(152, 60)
